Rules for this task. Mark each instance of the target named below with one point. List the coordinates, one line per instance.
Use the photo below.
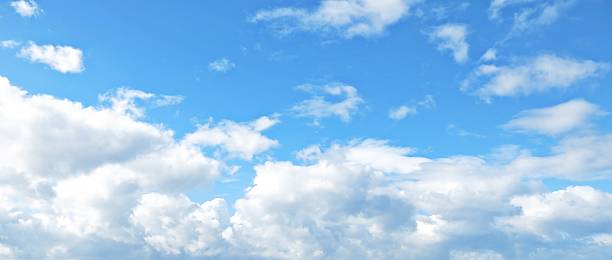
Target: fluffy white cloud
(175, 225)
(243, 140)
(64, 59)
(76, 182)
(318, 107)
(221, 65)
(26, 8)
(451, 37)
(557, 119)
(350, 18)
(538, 74)
(576, 212)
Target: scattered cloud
(319, 107)
(64, 59)
(489, 55)
(451, 37)
(401, 112)
(530, 14)
(124, 101)
(533, 75)
(9, 44)
(349, 18)
(241, 140)
(26, 8)
(557, 119)
(221, 65)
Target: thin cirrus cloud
(26, 8)
(348, 18)
(64, 59)
(403, 111)
(124, 101)
(221, 65)
(557, 119)
(532, 75)
(452, 37)
(319, 106)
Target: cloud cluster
(82, 181)
(221, 65)
(349, 18)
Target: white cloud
(489, 55)
(242, 140)
(530, 14)
(579, 211)
(175, 225)
(93, 182)
(452, 37)
(64, 59)
(221, 65)
(534, 75)
(319, 107)
(475, 255)
(349, 18)
(401, 112)
(557, 119)
(9, 44)
(123, 101)
(26, 8)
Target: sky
(323, 129)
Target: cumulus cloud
(533, 75)
(77, 181)
(26, 8)
(221, 65)
(175, 225)
(64, 59)
(242, 140)
(319, 107)
(349, 18)
(578, 211)
(451, 37)
(555, 120)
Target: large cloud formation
(84, 182)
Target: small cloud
(451, 37)
(124, 101)
(221, 65)
(537, 74)
(556, 119)
(319, 106)
(9, 44)
(401, 112)
(347, 18)
(26, 8)
(489, 55)
(64, 59)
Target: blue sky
(424, 115)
